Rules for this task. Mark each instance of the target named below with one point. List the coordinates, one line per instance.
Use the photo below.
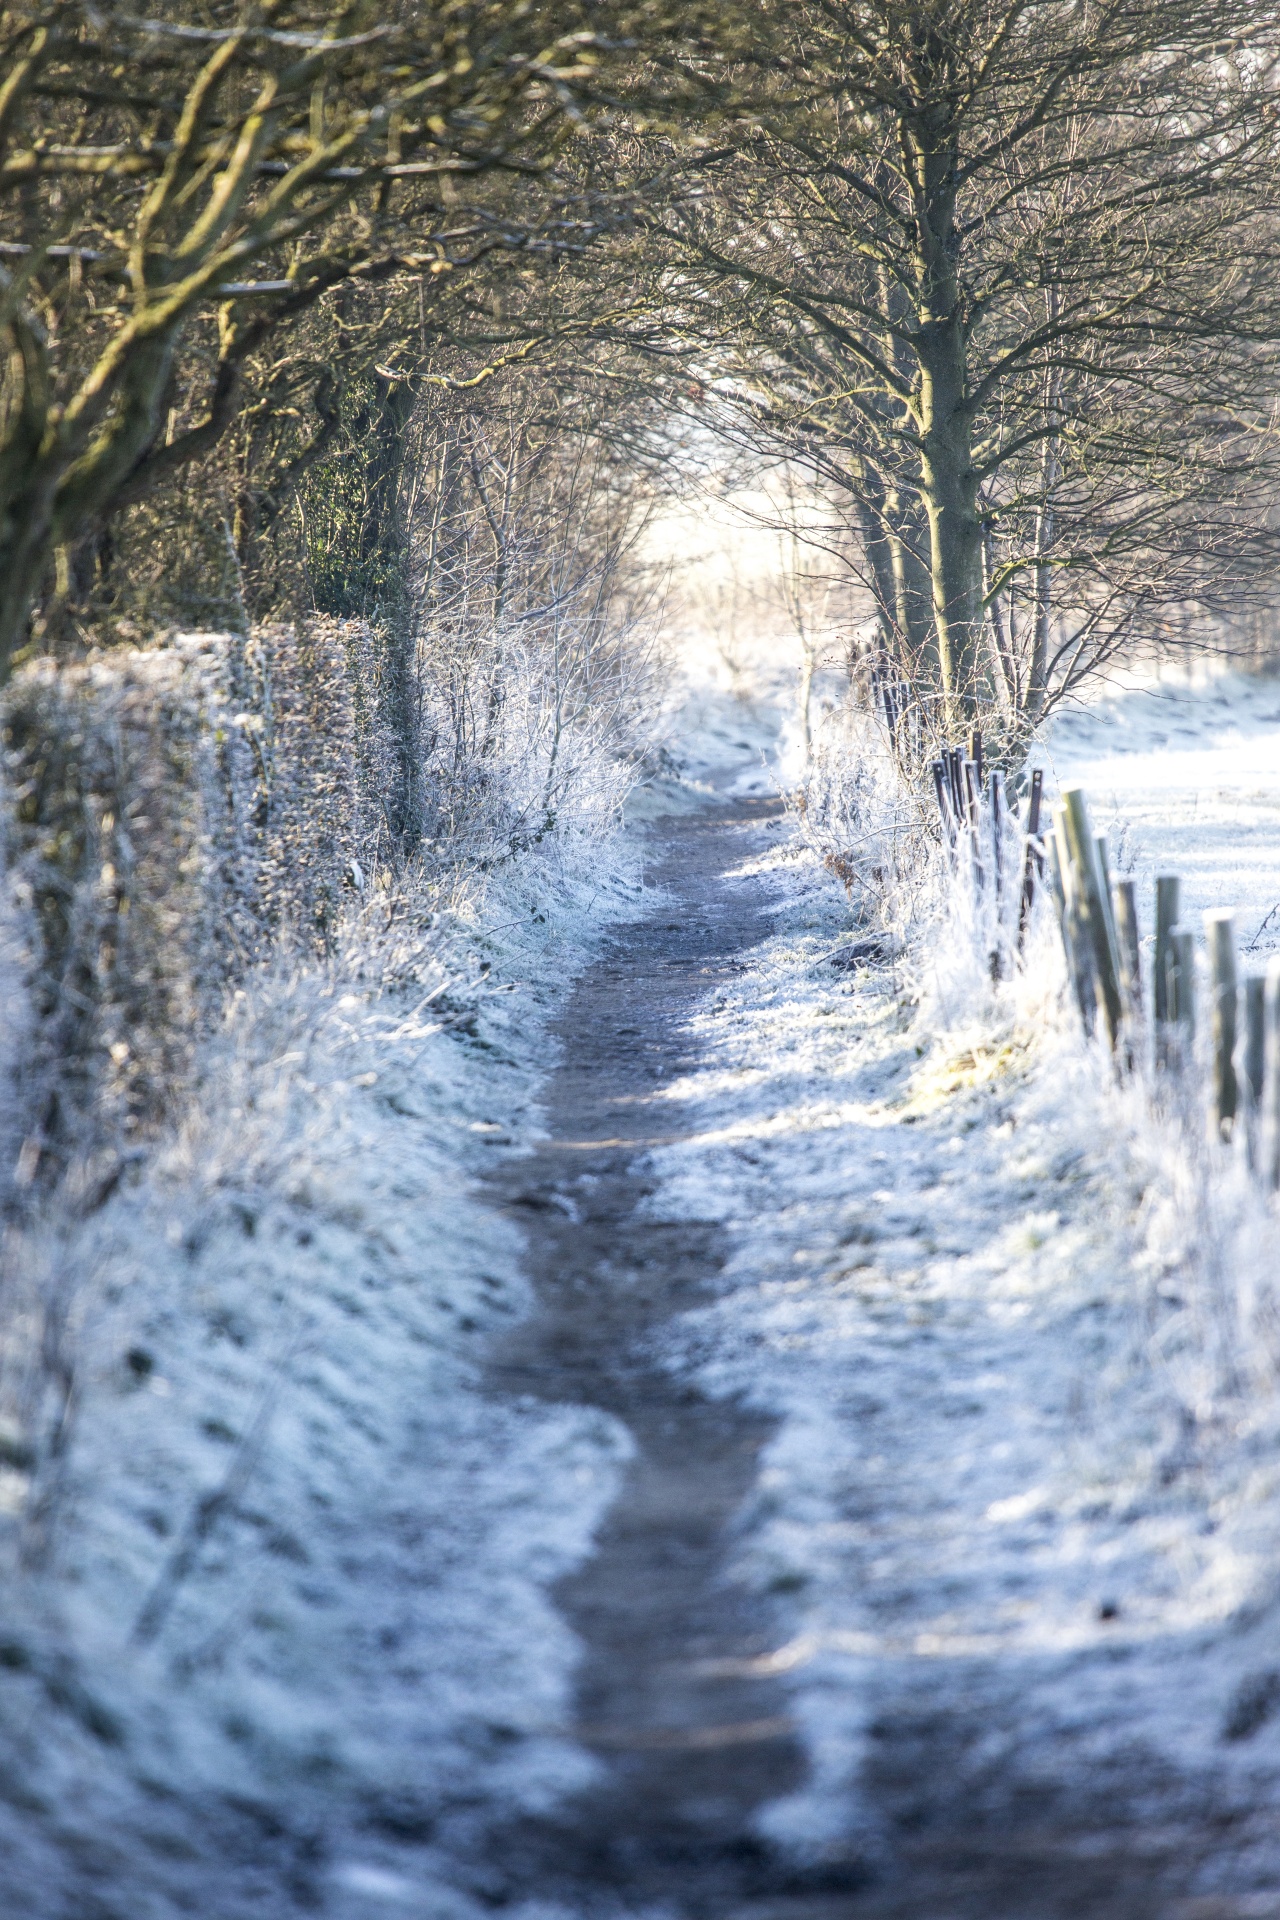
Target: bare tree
(1005, 272)
(177, 192)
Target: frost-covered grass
(275, 1568)
(1183, 772)
(1019, 1330)
(278, 1623)
(276, 1610)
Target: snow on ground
(1005, 1486)
(1184, 770)
(277, 1609)
(1004, 1481)
(283, 1620)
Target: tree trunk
(23, 562)
(901, 516)
(806, 699)
(1002, 663)
(877, 546)
(913, 593)
(1038, 677)
(944, 418)
(55, 497)
(1050, 470)
(955, 534)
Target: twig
(210, 1507)
(1252, 946)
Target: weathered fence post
(955, 760)
(1108, 908)
(1270, 1128)
(1168, 892)
(997, 808)
(1220, 938)
(995, 790)
(1088, 877)
(1128, 942)
(1033, 861)
(1253, 1061)
(973, 807)
(1055, 845)
(944, 803)
(1075, 932)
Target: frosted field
(1185, 774)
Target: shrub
(175, 815)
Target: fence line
(1099, 922)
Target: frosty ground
(1021, 1498)
(294, 1640)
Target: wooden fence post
(1128, 941)
(1168, 892)
(1097, 916)
(995, 790)
(955, 760)
(940, 787)
(1220, 938)
(1075, 937)
(1253, 1061)
(1271, 1078)
(1033, 861)
(1104, 874)
(1057, 888)
(973, 807)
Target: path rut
(690, 1751)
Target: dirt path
(690, 1748)
(690, 1753)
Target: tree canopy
(179, 190)
(1001, 274)
(1005, 273)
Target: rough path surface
(692, 1743)
(689, 1749)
